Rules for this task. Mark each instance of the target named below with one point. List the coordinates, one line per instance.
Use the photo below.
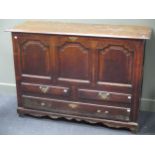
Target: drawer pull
(72, 38)
(104, 95)
(43, 104)
(99, 111)
(129, 97)
(73, 106)
(106, 112)
(65, 90)
(128, 110)
(44, 89)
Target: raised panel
(115, 65)
(35, 58)
(73, 61)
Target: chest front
(96, 79)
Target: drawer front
(45, 89)
(76, 108)
(104, 95)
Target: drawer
(104, 96)
(45, 89)
(76, 108)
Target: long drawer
(76, 108)
(45, 89)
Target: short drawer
(104, 95)
(45, 89)
(76, 108)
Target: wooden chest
(89, 73)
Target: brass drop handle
(104, 95)
(44, 89)
(73, 106)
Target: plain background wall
(7, 77)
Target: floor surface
(12, 124)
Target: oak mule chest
(83, 72)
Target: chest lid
(89, 30)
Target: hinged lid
(91, 30)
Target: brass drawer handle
(73, 106)
(104, 95)
(72, 38)
(44, 89)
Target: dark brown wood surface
(87, 73)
